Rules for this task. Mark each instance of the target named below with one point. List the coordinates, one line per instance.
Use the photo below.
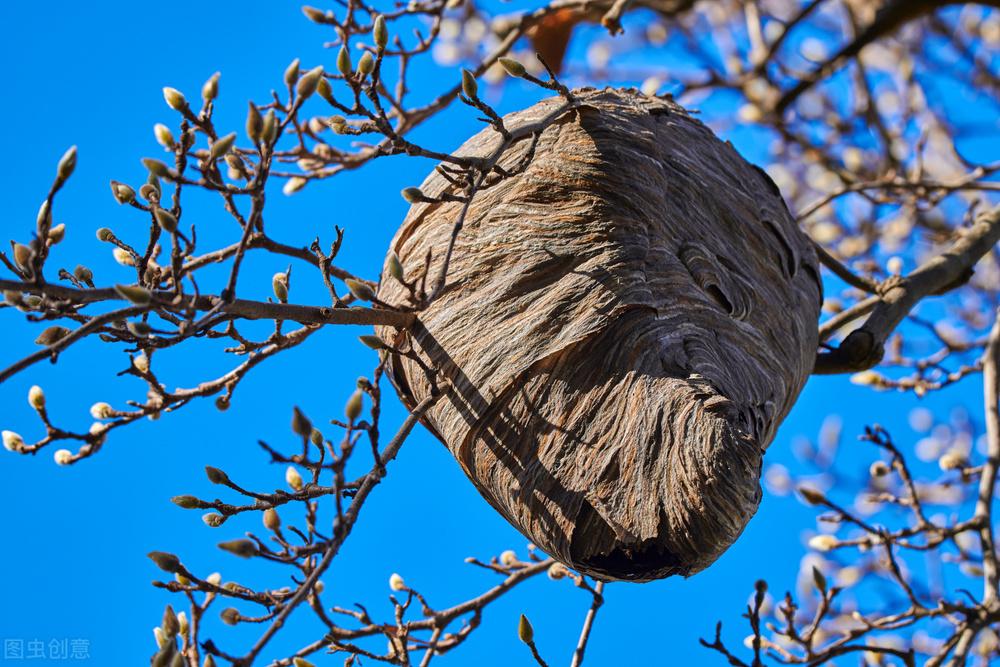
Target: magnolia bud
(380, 33)
(230, 616)
(301, 662)
(255, 123)
(182, 621)
(374, 342)
(187, 502)
(953, 459)
(269, 131)
(156, 167)
(216, 476)
(165, 219)
(271, 519)
(56, 234)
(123, 256)
(513, 67)
(344, 61)
(300, 423)
(141, 362)
(101, 411)
(292, 73)
(83, 274)
(241, 548)
(879, 469)
(811, 495)
(174, 98)
(524, 630)
(134, 293)
(395, 267)
(23, 255)
(508, 558)
(819, 580)
(307, 84)
(123, 193)
(52, 335)
(359, 289)
(279, 284)
(221, 146)
(313, 14)
(293, 185)
(469, 84)
(12, 441)
(325, 90)
(165, 561)
(354, 405)
(210, 90)
(105, 234)
(66, 165)
(412, 194)
(213, 520)
(163, 136)
(139, 329)
(150, 193)
(36, 398)
(293, 478)
(823, 542)
(557, 571)
(366, 65)
(396, 582)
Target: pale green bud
(187, 502)
(524, 630)
(165, 219)
(210, 90)
(174, 98)
(380, 33)
(279, 284)
(216, 476)
(163, 136)
(241, 548)
(292, 73)
(57, 234)
(513, 67)
(105, 234)
(366, 65)
(165, 561)
(395, 267)
(269, 128)
(66, 165)
(123, 193)
(254, 123)
(135, 293)
(222, 146)
(469, 84)
(344, 61)
(307, 84)
(359, 289)
(156, 167)
(354, 405)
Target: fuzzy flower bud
(396, 582)
(101, 411)
(12, 441)
(293, 478)
(36, 398)
(174, 98)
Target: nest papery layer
(625, 324)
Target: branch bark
(864, 347)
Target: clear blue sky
(75, 539)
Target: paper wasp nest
(625, 324)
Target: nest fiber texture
(625, 324)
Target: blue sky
(75, 539)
